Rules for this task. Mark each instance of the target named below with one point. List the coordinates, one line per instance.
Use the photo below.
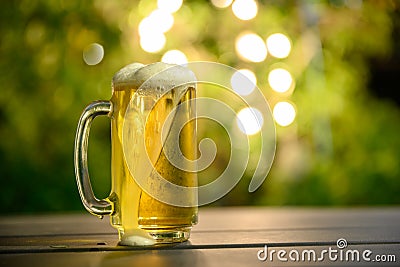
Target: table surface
(228, 236)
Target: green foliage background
(343, 148)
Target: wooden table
(223, 237)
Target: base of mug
(163, 236)
(154, 236)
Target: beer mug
(143, 130)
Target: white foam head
(125, 75)
(154, 78)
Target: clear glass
(140, 218)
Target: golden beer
(134, 207)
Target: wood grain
(223, 237)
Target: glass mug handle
(92, 204)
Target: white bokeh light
(243, 81)
(245, 9)
(157, 21)
(279, 45)
(280, 80)
(174, 57)
(221, 3)
(250, 120)
(170, 6)
(152, 43)
(284, 113)
(93, 54)
(251, 47)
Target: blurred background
(329, 70)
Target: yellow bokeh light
(157, 21)
(251, 47)
(174, 57)
(93, 54)
(249, 120)
(245, 9)
(221, 3)
(279, 45)
(243, 81)
(153, 42)
(284, 113)
(170, 6)
(280, 80)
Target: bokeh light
(280, 80)
(245, 9)
(279, 45)
(284, 113)
(170, 6)
(157, 21)
(221, 3)
(250, 120)
(251, 47)
(93, 54)
(243, 81)
(338, 49)
(174, 57)
(152, 42)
